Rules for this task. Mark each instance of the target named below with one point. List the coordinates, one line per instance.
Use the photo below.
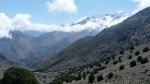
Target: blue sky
(39, 12)
(47, 15)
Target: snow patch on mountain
(102, 21)
(22, 22)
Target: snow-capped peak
(102, 21)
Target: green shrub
(107, 61)
(122, 52)
(133, 63)
(143, 61)
(119, 59)
(79, 76)
(102, 68)
(98, 64)
(56, 81)
(139, 58)
(95, 71)
(84, 75)
(91, 78)
(115, 62)
(137, 53)
(145, 49)
(91, 66)
(121, 67)
(132, 48)
(0, 81)
(110, 75)
(18, 76)
(130, 57)
(99, 78)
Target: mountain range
(109, 42)
(108, 48)
(27, 46)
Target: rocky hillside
(128, 67)
(109, 42)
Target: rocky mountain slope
(131, 66)
(109, 42)
(36, 45)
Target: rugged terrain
(119, 54)
(119, 65)
(109, 42)
(35, 45)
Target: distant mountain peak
(102, 21)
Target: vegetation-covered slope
(130, 66)
(109, 42)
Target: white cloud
(141, 4)
(62, 6)
(22, 22)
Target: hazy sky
(63, 11)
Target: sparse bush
(122, 52)
(132, 48)
(107, 61)
(84, 75)
(18, 76)
(110, 75)
(95, 71)
(137, 53)
(143, 61)
(99, 78)
(113, 57)
(79, 76)
(119, 59)
(145, 49)
(139, 58)
(91, 66)
(98, 64)
(121, 67)
(133, 63)
(115, 62)
(0, 81)
(56, 81)
(102, 68)
(130, 57)
(87, 72)
(91, 78)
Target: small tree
(130, 57)
(137, 53)
(110, 75)
(79, 76)
(119, 59)
(18, 76)
(99, 78)
(91, 77)
(139, 58)
(133, 63)
(121, 67)
(132, 48)
(84, 75)
(145, 60)
(115, 62)
(56, 81)
(145, 49)
(107, 61)
(122, 52)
